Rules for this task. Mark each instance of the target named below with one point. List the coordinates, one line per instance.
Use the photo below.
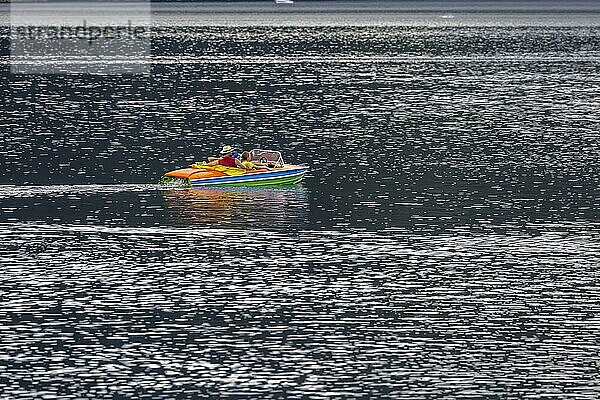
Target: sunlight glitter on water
(379, 312)
(445, 243)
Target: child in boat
(247, 164)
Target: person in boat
(226, 158)
(249, 164)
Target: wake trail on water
(12, 191)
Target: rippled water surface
(445, 243)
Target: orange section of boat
(187, 173)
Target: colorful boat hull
(268, 178)
(288, 175)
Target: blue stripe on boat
(249, 177)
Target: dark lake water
(445, 244)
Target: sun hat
(226, 149)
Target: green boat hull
(292, 180)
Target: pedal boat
(201, 174)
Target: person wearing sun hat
(227, 158)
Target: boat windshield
(267, 157)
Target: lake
(445, 243)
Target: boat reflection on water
(238, 207)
